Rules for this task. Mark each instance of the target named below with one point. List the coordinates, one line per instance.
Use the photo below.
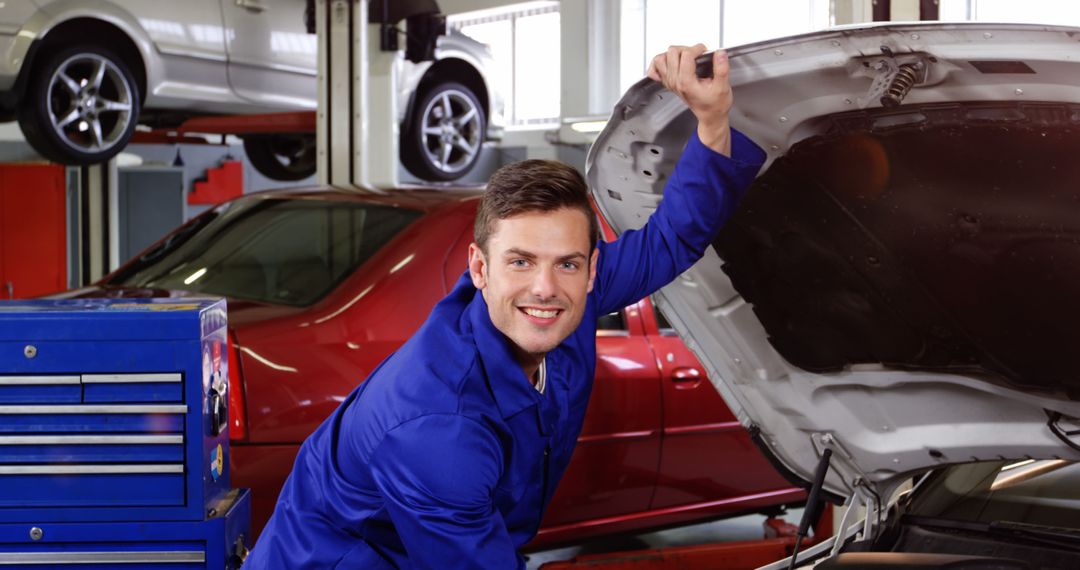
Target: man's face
(535, 276)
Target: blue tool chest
(113, 436)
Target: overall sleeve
(700, 196)
(438, 475)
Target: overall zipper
(543, 488)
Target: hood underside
(898, 284)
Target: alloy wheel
(90, 103)
(451, 131)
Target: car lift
(356, 125)
(778, 544)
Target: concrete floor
(741, 528)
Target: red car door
(708, 460)
(613, 469)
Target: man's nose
(543, 284)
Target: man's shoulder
(437, 371)
(413, 383)
(441, 356)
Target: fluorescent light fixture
(195, 276)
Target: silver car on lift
(79, 75)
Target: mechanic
(448, 454)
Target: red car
(324, 284)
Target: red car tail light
(237, 409)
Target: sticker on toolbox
(217, 462)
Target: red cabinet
(33, 230)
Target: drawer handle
(130, 378)
(38, 380)
(90, 439)
(89, 469)
(122, 557)
(90, 409)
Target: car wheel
(81, 106)
(443, 138)
(286, 157)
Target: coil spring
(905, 79)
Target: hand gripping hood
(901, 283)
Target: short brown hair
(532, 186)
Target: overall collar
(513, 392)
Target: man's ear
(592, 268)
(477, 266)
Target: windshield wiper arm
(1063, 538)
(1059, 536)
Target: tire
(444, 134)
(285, 157)
(81, 106)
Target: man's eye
(568, 265)
(519, 263)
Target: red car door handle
(686, 377)
(686, 374)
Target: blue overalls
(446, 456)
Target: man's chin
(538, 347)
(538, 350)
(530, 342)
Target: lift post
(97, 240)
(356, 125)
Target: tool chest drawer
(219, 542)
(132, 388)
(97, 448)
(98, 485)
(39, 389)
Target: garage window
(1027, 12)
(648, 27)
(289, 252)
(524, 41)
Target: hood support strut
(1053, 422)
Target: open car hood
(901, 283)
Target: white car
(80, 74)
(898, 287)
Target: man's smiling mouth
(541, 313)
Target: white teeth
(541, 314)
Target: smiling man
(448, 454)
(533, 258)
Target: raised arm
(716, 167)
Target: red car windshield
(274, 250)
